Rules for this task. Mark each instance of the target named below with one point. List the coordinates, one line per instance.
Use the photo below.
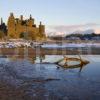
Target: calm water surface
(47, 82)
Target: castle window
(33, 25)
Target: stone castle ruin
(24, 28)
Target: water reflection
(46, 80)
(39, 57)
(44, 59)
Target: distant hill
(92, 36)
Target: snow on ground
(14, 44)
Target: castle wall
(15, 27)
(26, 29)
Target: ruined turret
(30, 21)
(11, 26)
(41, 28)
(1, 21)
(21, 17)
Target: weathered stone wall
(18, 26)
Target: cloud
(67, 29)
(97, 30)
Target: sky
(56, 13)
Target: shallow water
(47, 82)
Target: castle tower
(31, 21)
(11, 26)
(41, 29)
(30, 17)
(21, 17)
(1, 21)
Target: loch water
(39, 80)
